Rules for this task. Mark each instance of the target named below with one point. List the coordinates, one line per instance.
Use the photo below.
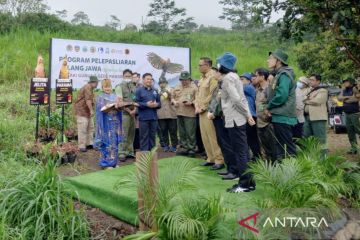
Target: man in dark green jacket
(282, 103)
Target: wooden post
(143, 225)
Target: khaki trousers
(208, 136)
(128, 126)
(85, 128)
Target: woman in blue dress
(108, 126)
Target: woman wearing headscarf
(108, 126)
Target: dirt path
(105, 227)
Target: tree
(155, 27)
(62, 14)
(114, 23)
(186, 24)
(130, 27)
(16, 7)
(242, 14)
(325, 56)
(167, 16)
(341, 18)
(80, 18)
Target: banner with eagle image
(81, 59)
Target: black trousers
(148, 130)
(199, 142)
(298, 132)
(285, 145)
(168, 127)
(267, 140)
(238, 140)
(224, 141)
(253, 140)
(136, 139)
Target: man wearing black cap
(282, 103)
(351, 109)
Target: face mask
(127, 80)
(300, 85)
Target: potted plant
(67, 152)
(71, 134)
(47, 136)
(33, 149)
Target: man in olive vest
(282, 103)
(126, 91)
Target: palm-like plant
(168, 204)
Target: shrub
(39, 207)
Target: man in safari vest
(282, 103)
(315, 112)
(126, 91)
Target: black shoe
(89, 147)
(83, 150)
(230, 176)
(352, 152)
(223, 173)
(182, 153)
(217, 167)
(207, 164)
(191, 154)
(130, 156)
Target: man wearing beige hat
(207, 85)
(84, 111)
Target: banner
(64, 91)
(39, 91)
(78, 60)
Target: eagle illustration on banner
(165, 65)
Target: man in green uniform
(126, 91)
(282, 103)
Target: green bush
(36, 205)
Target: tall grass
(36, 205)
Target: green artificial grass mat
(97, 190)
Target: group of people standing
(263, 113)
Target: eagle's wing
(155, 60)
(174, 68)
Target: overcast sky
(131, 11)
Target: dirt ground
(105, 227)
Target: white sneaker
(238, 189)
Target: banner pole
(62, 122)
(37, 122)
(49, 79)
